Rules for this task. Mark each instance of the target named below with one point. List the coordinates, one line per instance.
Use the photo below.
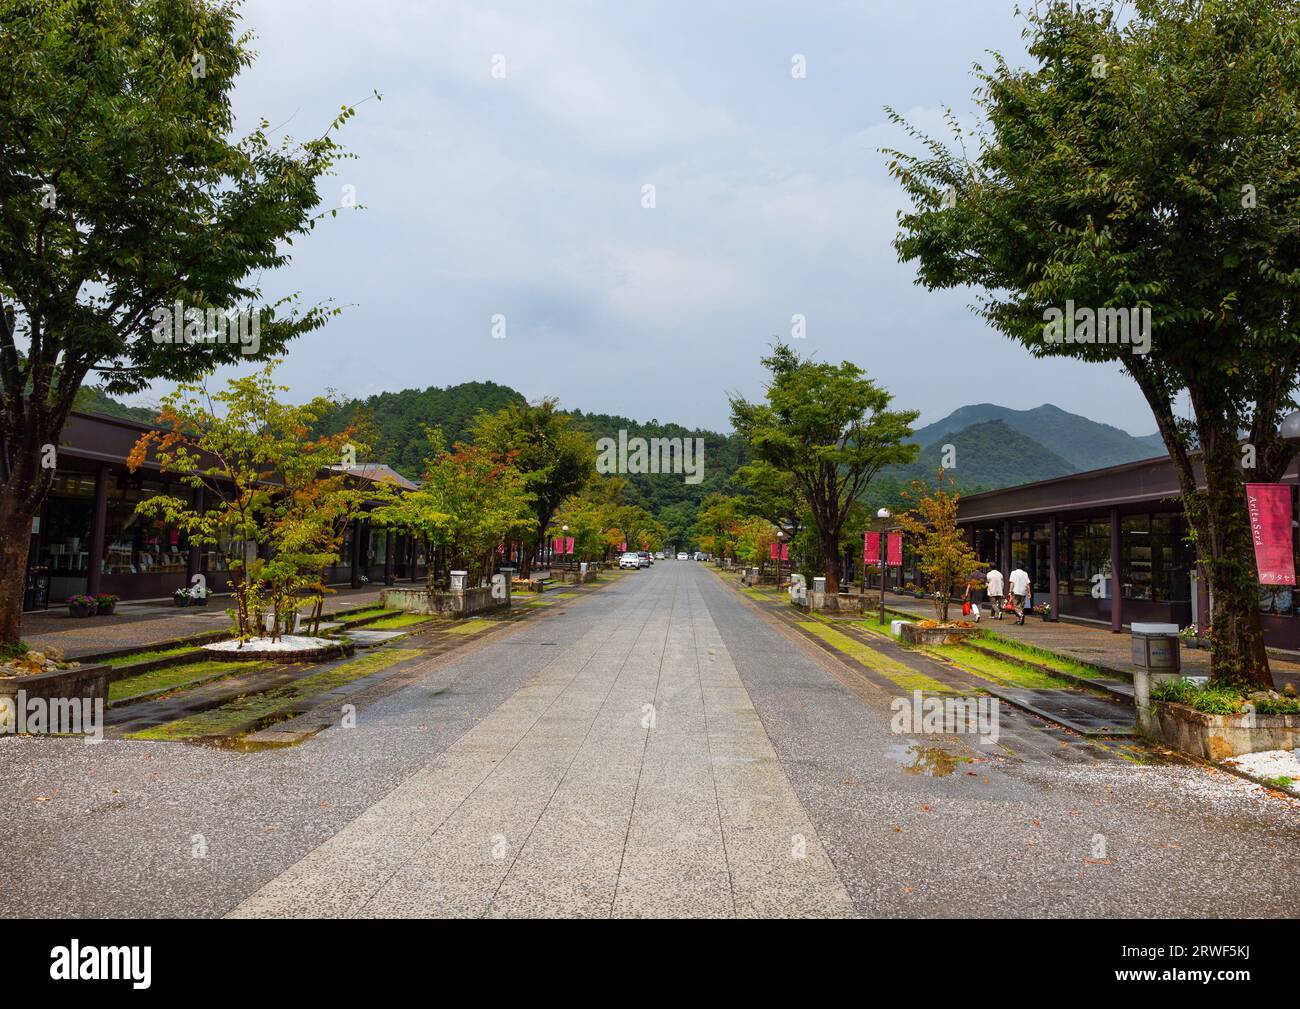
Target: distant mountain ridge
(985, 456)
(1082, 443)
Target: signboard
(1270, 530)
(871, 548)
(895, 550)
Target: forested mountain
(1084, 444)
(987, 455)
(402, 417)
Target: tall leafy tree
(1149, 158)
(555, 457)
(831, 429)
(121, 194)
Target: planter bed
(290, 648)
(915, 634)
(84, 681)
(122, 672)
(449, 604)
(1214, 737)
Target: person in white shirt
(993, 586)
(1019, 579)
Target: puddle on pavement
(931, 761)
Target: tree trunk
(831, 562)
(15, 541)
(1226, 551)
(1220, 524)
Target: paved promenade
(657, 747)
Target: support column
(1116, 591)
(95, 566)
(389, 538)
(1006, 549)
(356, 554)
(1054, 576)
(194, 561)
(1203, 615)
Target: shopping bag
(965, 608)
(1009, 606)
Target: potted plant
(181, 597)
(199, 595)
(1045, 611)
(81, 606)
(1190, 636)
(106, 603)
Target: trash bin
(1155, 649)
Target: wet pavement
(660, 747)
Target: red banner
(568, 545)
(895, 549)
(785, 551)
(771, 551)
(1270, 528)
(623, 546)
(871, 549)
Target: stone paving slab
(1086, 714)
(631, 777)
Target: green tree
(269, 504)
(830, 428)
(122, 195)
(555, 457)
(944, 558)
(469, 503)
(1148, 160)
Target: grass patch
(1221, 698)
(243, 711)
(150, 656)
(904, 676)
(998, 670)
(471, 626)
(1018, 650)
(567, 595)
(176, 676)
(398, 622)
(369, 611)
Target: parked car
(629, 560)
(699, 555)
(659, 555)
(683, 557)
(645, 559)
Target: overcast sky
(522, 196)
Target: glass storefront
(63, 543)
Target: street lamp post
(564, 535)
(884, 516)
(780, 539)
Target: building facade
(89, 538)
(1112, 545)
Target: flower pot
(81, 609)
(107, 609)
(199, 601)
(180, 601)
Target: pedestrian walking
(1020, 588)
(993, 586)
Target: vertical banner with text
(871, 549)
(895, 550)
(1270, 530)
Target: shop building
(89, 538)
(1111, 546)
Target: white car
(683, 557)
(659, 555)
(629, 560)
